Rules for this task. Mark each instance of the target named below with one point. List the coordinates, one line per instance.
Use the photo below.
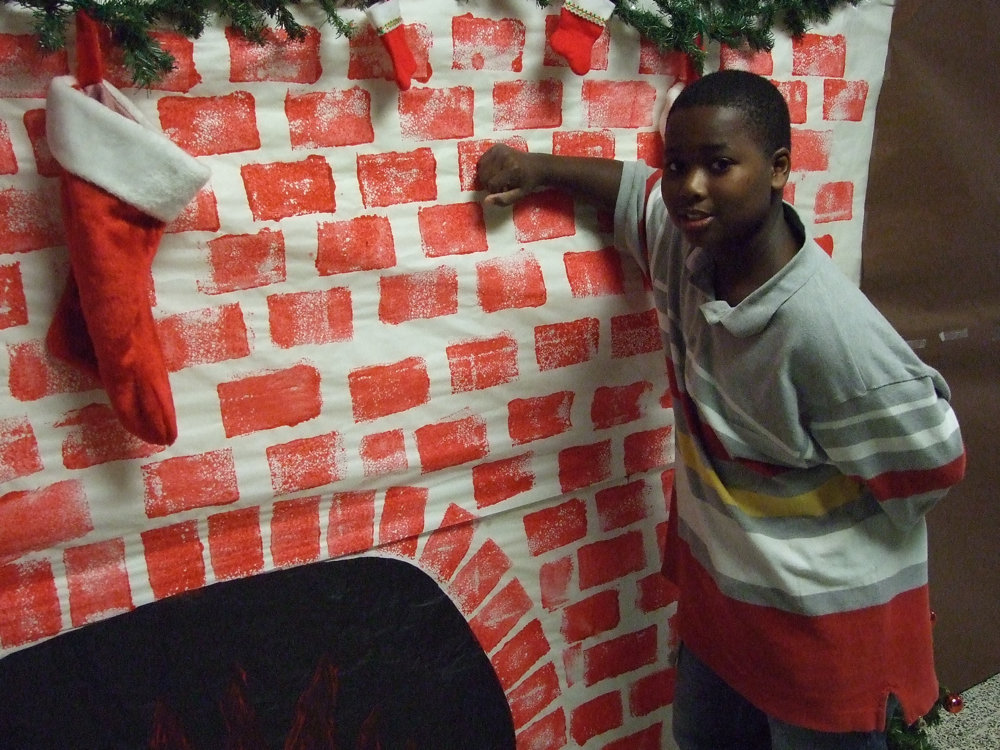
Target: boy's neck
(740, 273)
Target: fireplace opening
(369, 651)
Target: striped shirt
(811, 441)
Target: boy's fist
(507, 174)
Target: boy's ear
(781, 168)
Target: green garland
(672, 25)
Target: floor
(977, 726)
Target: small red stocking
(581, 23)
(388, 22)
(121, 182)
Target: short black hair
(760, 101)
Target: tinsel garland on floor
(679, 25)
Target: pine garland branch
(672, 25)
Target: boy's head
(764, 108)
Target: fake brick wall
(365, 360)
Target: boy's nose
(695, 183)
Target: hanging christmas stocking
(388, 22)
(580, 24)
(121, 182)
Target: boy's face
(718, 183)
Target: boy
(811, 441)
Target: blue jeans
(710, 715)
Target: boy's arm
(508, 175)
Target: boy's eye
(720, 166)
(674, 167)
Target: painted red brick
(538, 417)
(649, 738)
(327, 119)
(844, 100)
(620, 404)
(245, 261)
(380, 390)
(204, 125)
(527, 105)
(34, 124)
(834, 202)
(316, 317)
(789, 193)
(545, 734)
(29, 604)
(452, 229)
(186, 482)
(622, 505)
(538, 691)
(352, 523)
(369, 58)
(618, 104)
(584, 465)
(649, 148)
(652, 692)
(200, 215)
(98, 581)
(419, 295)
(564, 344)
(655, 592)
(34, 373)
(447, 545)
(648, 450)
(619, 655)
(510, 282)
(384, 453)
(811, 149)
(524, 649)
(35, 519)
(281, 189)
(554, 579)
(175, 559)
(556, 526)
(469, 152)
(596, 716)
(635, 333)
(364, 243)
(27, 69)
(272, 399)
(573, 664)
(279, 58)
(819, 55)
(654, 61)
(212, 334)
(402, 519)
(234, 544)
(599, 144)
(19, 455)
(8, 160)
(826, 242)
(295, 536)
(486, 44)
(598, 53)
(182, 78)
(96, 436)
(430, 114)
(482, 363)
(756, 61)
(497, 481)
(27, 221)
(500, 614)
(594, 273)
(451, 443)
(479, 576)
(610, 559)
(796, 93)
(586, 618)
(305, 463)
(544, 215)
(395, 177)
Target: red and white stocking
(121, 182)
(581, 23)
(388, 22)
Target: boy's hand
(508, 175)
